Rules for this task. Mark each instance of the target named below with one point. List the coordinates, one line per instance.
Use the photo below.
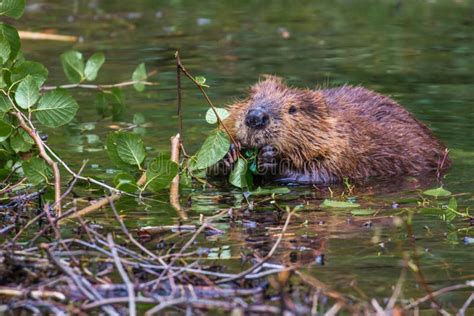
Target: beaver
(325, 135)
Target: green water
(419, 52)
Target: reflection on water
(419, 52)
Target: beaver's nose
(257, 118)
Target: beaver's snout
(257, 118)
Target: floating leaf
(138, 119)
(211, 116)
(160, 173)
(5, 130)
(130, 148)
(238, 175)
(36, 70)
(439, 192)
(260, 191)
(10, 34)
(339, 204)
(139, 75)
(362, 212)
(56, 108)
(93, 66)
(73, 66)
(36, 170)
(214, 148)
(12, 8)
(27, 93)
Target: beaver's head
(278, 115)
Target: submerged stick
(174, 186)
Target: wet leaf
(56, 108)
(438, 192)
(4, 49)
(160, 173)
(20, 141)
(34, 69)
(139, 75)
(36, 170)
(27, 93)
(73, 66)
(238, 175)
(5, 105)
(214, 148)
(10, 34)
(453, 204)
(93, 66)
(338, 204)
(113, 154)
(260, 191)
(12, 8)
(211, 116)
(130, 148)
(362, 212)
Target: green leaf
(238, 175)
(5, 105)
(130, 148)
(138, 119)
(201, 81)
(139, 75)
(362, 212)
(5, 130)
(453, 204)
(101, 104)
(20, 141)
(93, 66)
(73, 66)
(27, 93)
(56, 108)
(214, 148)
(438, 192)
(113, 154)
(34, 69)
(260, 191)
(10, 34)
(4, 49)
(115, 97)
(211, 116)
(36, 170)
(125, 182)
(338, 204)
(160, 173)
(12, 8)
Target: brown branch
(47, 158)
(439, 292)
(46, 36)
(174, 186)
(187, 74)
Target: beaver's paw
(267, 161)
(232, 155)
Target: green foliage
(213, 149)
(56, 108)
(438, 192)
(36, 170)
(201, 81)
(211, 116)
(38, 72)
(125, 182)
(362, 212)
(5, 130)
(73, 66)
(27, 92)
(238, 176)
(160, 173)
(93, 66)
(139, 75)
(130, 148)
(339, 204)
(8, 34)
(12, 8)
(260, 191)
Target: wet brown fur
(337, 132)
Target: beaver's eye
(292, 109)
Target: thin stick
(174, 186)
(130, 290)
(27, 35)
(179, 96)
(187, 74)
(42, 152)
(438, 293)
